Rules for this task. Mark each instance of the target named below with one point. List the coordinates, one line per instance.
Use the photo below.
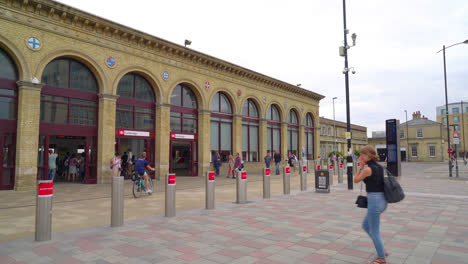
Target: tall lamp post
(334, 123)
(344, 53)
(446, 101)
(407, 138)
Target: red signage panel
(304, 168)
(211, 176)
(171, 179)
(45, 189)
(331, 166)
(341, 165)
(318, 167)
(288, 170)
(244, 175)
(267, 172)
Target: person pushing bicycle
(140, 168)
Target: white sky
(297, 41)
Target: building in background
(458, 119)
(327, 137)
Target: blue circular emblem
(165, 75)
(34, 43)
(110, 61)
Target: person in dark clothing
(373, 177)
(277, 158)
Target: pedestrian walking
(72, 170)
(52, 164)
(277, 158)
(237, 164)
(116, 165)
(231, 166)
(217, 162)
(267, 160)
(373, 177)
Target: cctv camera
(353, 71)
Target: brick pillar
(262, 144)
(204, 147)
(302, 143)
(237, 135)
(106, 136)
(27, 136)
(284, 140)
(162, 139)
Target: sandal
(377, 261)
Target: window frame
(251, 121)
(293, 127)
(273, 125)
(184, 111)
(309, 129)
(432, 147)
(217, 117)
(414, 149)
(417, 133)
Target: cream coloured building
(327, 136)
(81, 85)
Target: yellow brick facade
(327, 136)
(67, 32)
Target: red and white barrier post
(286, 180)
(241, 187)
(45, 193)
(210, 190)
(266, 183)
(170, 195)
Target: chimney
(416, 115)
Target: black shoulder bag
(392, 189)
(361, 200)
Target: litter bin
(322, 181)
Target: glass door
(7, 157)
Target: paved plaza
(429, 226)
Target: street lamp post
(334, 123)
(344, 52)
(446, 101)
(407, 138)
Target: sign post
(45, 192)
(210, 190)
(241, 186)
(266, 183)
(170, 195)
(304, 176)
(286, 179)
(117, 204)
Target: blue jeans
(277, 168)
(51, 174)
(217, 170)
(267, 165)
(376, 205)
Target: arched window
(135, 106)
(8, 124)
(184, 113)
(273, 129)
(309, 136)
(293, 133)
(59, 103)
(221, 126)
(250, 121)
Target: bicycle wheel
(137, 189)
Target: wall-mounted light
(187, 42)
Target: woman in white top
(116, 164)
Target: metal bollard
(210, 190)
(117, 204)
(304, 177)
(340, 173)
(330, 173)
(286, 180)
(170, 195)
(335, 167)
(45, 191)
(322, 163)
(241, 186)
(355, 166)
(266, 183)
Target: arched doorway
(184, 132)
(250, 128)
(8, 117)
(68, 120)
(221, 126)
(293, 133)
(309, 136)
(273, 129)
(134, 122)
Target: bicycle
(139, 185)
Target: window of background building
(402, 134)
(250, 121)
(443, 111)
(414, 151)
(432, 151)
(221, 126)
(455, 110)
(329, 131)
(309, 137)
(184, 110)
(293, 133)
(419, 133)
(457, 127)
(273, 129)
(444, 120)
(456, 119)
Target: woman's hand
(361, 163)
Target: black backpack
(392, 189)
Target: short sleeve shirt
(52, 160)
(141, 165)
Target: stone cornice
(204, 112)
(78, 20)
(29, 85)
(110, 97)
(163, 105)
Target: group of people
(70, 168)
(235, 165)
(141, 165)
